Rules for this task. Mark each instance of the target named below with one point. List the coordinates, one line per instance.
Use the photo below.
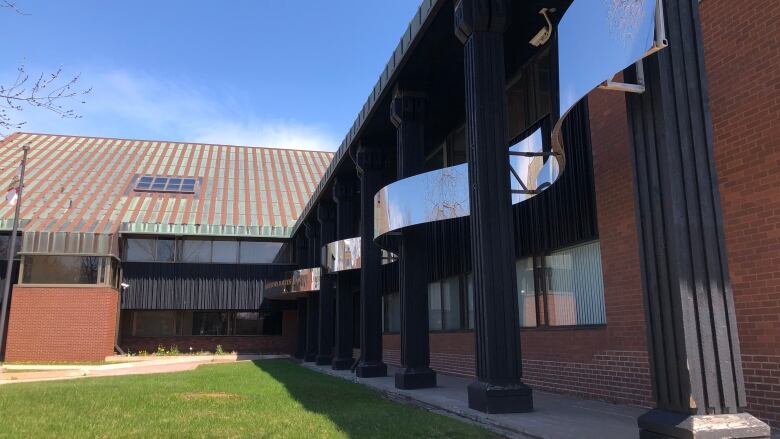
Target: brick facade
(742, 55)
(62, 323)
(254, 344)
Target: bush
(218, 350)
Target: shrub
(218, 350)
(174, 350)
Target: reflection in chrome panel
(596, 40)
(293, 284)
(344, 255)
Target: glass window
(209, 323)
(575, 286)
(196, 250)
(392, 312)
(5, 240)
(149, 183)
(450, 303)
(248, 323)
(154, 323)
(253, 252)
(526, 292)
(51, 269)
(140, 250)
(435, 322)
(166, 249)
(225, 252)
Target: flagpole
(11, 248)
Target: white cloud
(138, 105)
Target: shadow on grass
(359, 411)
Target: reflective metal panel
(432, 196)
(293, 284)
(344, 255)
(597, 39)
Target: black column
(408, 115)
(692, 330)
(326, 215)
(480, 25)
(301, 257)
(370, 163)
(343, 194)
(312, 306)
(300, 348)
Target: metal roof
(86, 185)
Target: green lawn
(274, 398)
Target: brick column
(692, 331)
(343, 195)
(407, 113)
(480, 25)
(370, 164)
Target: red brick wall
(742, 55)
(61, 324)
(260, 344)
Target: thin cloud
(139, 105)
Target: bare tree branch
(12, 6)
(50, 92)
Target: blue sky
(257, 72)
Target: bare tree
(52, 92)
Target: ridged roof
(86, 184)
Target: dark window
(225, 252)
(56, 269)
(195, 250)
(254, 252)
(451, 303)
(5, 241)
(209, 323)
(140, 250)
(391, 307)
(166, 250)
(150, 183)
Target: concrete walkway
(554, 416)
(18, 373)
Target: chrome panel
(344, 255)
(596, 40)
(294, 284)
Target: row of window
(149, 183)
(563, 288)
(221, 251)
(62, 269)
(206, 323)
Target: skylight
(153, 183)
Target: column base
(371, 369)
(323, 360)
(310, 358)
(415, 378)
(662, 424)
(342, 363)
(488, 398)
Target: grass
(271, 398)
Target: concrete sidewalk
(554, 416)
(132, 366)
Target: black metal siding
(196, 286)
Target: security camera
(543, 36)
(124, 285)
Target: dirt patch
(194, 396)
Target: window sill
(563, 328)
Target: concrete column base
(342, 363)
(415, 378)
(488, 398)
(322, 360)
(662, 424)
(371, 369)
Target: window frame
(164, 184)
